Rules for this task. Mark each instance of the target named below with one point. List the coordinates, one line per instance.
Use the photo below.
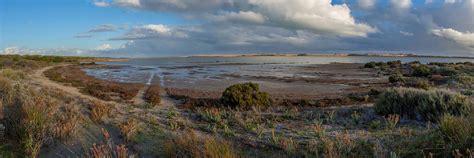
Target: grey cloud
(82, 35)
(103, 28)
(239, 26)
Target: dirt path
(42, 79)
(139, 98)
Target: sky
(154, 28)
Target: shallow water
(192, 69)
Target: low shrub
(444, 71)
(421, 104)
(370, 65)
(418, 83)
(464, 79)
(396, 78)
(245, 95)
(421, 71)
(152, 95)
(13, 74)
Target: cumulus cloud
(366, 4)
(463, 38)
(320, 17)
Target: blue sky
(54, 23)
(183, 27)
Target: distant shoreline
(327, 55)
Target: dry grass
(66, 123)
(102, 89)
(28, 120)
(188, 144)
(129, 128)
(152, 95)
(107, 149)
(99, 110)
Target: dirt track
(42, 79)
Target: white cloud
(401, 5)
(428, 1)
(320, 17)
(157, 28)
(11, 50)
(104, 47)
(129, 3)
(366, 4)
(152, 31)
(463, 38)
(404, 33)
(101, 3)
(242, 16)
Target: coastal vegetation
(418, 110)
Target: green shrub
(421, 104)
(464, 79)
(444, 71)
(396, 78)
(418, 83)
(245, 95)
(370, 65)
(421, 71)
(457, 131)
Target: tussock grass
(188, 144)
(129, 128)
(27, 120)
(99, 110)
(107, 149)
(421, 104)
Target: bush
(245, 95)
(464, 79)
(445, 71)
(457, 131)
(396, 78)
(421, 104)
(370, 65)
(418, 83)
(421, 71)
